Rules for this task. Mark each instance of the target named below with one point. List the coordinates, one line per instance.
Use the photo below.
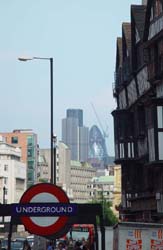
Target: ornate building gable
(126, 40)
(118, 67)
(154, 19)
(137, 32)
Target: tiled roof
(80, 164)
(107, 178)
(103, 179)
(119, 49)
(127, 33)
(138, 12)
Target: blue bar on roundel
(44, 209)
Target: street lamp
(4, 193)
(53, 154)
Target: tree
(108, 216)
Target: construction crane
(105, 133)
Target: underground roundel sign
(45, 219)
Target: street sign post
(44, 209)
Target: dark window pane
(14, 139)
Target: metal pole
(10, 233)
(55, 156)
(52, 166)
(51, 120)
(4, 190)
(102, 228)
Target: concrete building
(42, 169)
(102, 187)
(75, 135)
(27, 141)
(62, 166)
(72, 176)
(117, 189)
(12, 173)
(81, 175)
(45, 154)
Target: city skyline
(75, 135)
(80, 36)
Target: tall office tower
(76, 113)
(83, 144)
(75, 135)
(27, 141)
(70, 135)
(98, 155)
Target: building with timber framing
(138, 117)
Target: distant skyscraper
(70, 135)
(83, 143)
(75, 135)
(98, 155)
(76, 113)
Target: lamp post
(4, 193)
(53, 153)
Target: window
(5, 191)
(141, 120)
(160, 116)
(30, 164)
(14, 139)
(5, 180)
(130, 149)
(30, 140)
(30, 176)
(160, 145)
(30, 152)
(121, 150)
(156, 9)
(5, 167)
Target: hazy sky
(81, 37)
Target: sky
(80, 35)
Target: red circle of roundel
(44, 188)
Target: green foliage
(43, 180)
(109, 217)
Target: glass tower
(75, 135)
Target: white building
(102, 187)
(72, 176)
(62, 166)
(81, 175)
(63, 174)
(42, 169)
(12, 174)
